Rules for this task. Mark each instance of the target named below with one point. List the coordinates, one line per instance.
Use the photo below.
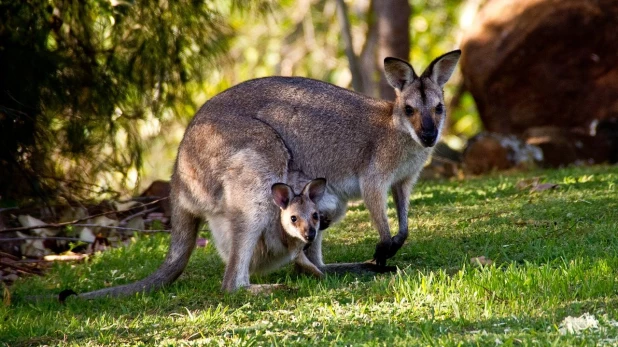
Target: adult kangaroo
(282, 129)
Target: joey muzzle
(311, 234)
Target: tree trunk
(368, 59)
(387, 36)
(393, 23)
(357, 78)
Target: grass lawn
(554, 253)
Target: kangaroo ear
(315, 189)
(398, 72)
(282, 194)
(441, 68)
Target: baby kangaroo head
(299, 212)
(419, 106)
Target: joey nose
(311, 234)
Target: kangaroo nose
(428, 138)
(311, 234)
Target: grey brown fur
(299, 225)
(276, 246)
(284, 129)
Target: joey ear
(315, 189)
(398, 72)
(441, 68)
(282, 194)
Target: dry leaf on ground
(534, 185)
(481, 261)
(574, 325)
(527, 183)
(544, 186)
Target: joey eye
(293, 218)
(439, 109)
(315, 215)
(409, 110)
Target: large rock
(487, 152)
(533, 63)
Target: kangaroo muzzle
(428, 138)
(311, 234)
(428, 132)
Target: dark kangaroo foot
(386, 250)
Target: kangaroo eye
(409, 110)
(293, 218)
(439, 109)
(315, 215)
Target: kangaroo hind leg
(245, 236)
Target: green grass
(555, 255)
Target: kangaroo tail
(183, 238)
(365, 268)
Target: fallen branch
(490, 292)
(555, 233)
(535, 223)
(141, 213)
(22, 269)
(8, 255)
(484, 215)
(63, 224)
(44, 238)
(122, 228)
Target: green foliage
(434, 29)
(80, 77)
(95, 93)
(555, 253)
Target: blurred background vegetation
(95, 94)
